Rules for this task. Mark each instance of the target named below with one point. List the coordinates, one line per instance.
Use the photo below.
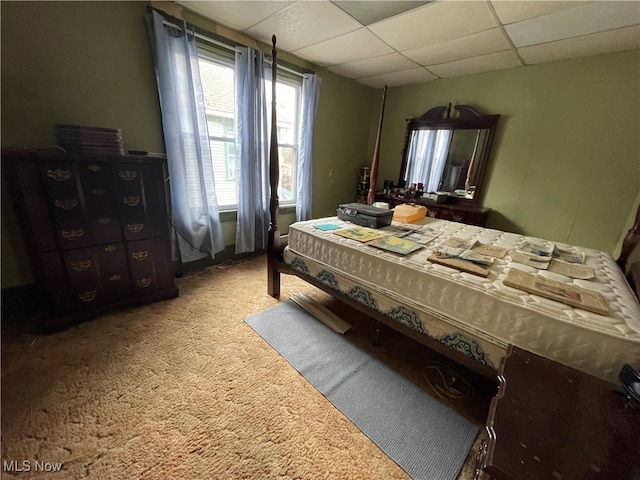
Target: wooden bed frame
(276, 244)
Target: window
(287, 110)
(218, 85)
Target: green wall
(89, 63)
(566, 157)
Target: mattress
(478, 316)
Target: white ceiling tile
(303, 24)
(515, 11)
(238, 15)
(435, 23)
(591, 18)
(604, 42)
(489, 41)
(370, 67)
(484, 63)
(349, 47)
(448, 37)
(406, 77)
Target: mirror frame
(467, 118)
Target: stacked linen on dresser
(476, 315)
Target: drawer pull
(432, 213)
(66, 203)
(104, 221)
(72, 234)
(98, 192)
(109, 249)
(59, 175)
(131, 201)
(457, 218)
(143, 282)
(88, 296)
(94, 168)
(81, 266)
(141, 255)
(128, 175)
(135, 227)
(115, 278)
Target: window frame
(221, 56)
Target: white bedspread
(444, 303)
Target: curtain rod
(229, 47)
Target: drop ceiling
(395, 43)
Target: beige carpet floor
(184, 389)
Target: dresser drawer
(137, 228)
(66, 204)
(143, 282)
(100, 200)
(95, 175)
(80, 264)
(85, 297)
(116, 287)
(112, 258)
(105, 228)
(145, 253)
(73, 233)
(58, 176)
(74, 299)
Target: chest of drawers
(456, 213)
(95, 227)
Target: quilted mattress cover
(476, 315)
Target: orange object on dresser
(409, 213)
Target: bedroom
(50, 51)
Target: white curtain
(252, 148)
(310, 94)
(427, 157)
(197, 231)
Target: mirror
(447, 152)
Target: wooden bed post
(273, 234)
(405, 147)
(373, 176)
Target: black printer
(365, 215)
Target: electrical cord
(446, 383)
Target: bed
(469, 318)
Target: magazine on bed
(360, 234)
(396, 245)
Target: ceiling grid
(393, 43)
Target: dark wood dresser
(96, 229)
(471, 215)
(550, 421)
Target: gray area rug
(423, 436)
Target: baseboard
(226, 255)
